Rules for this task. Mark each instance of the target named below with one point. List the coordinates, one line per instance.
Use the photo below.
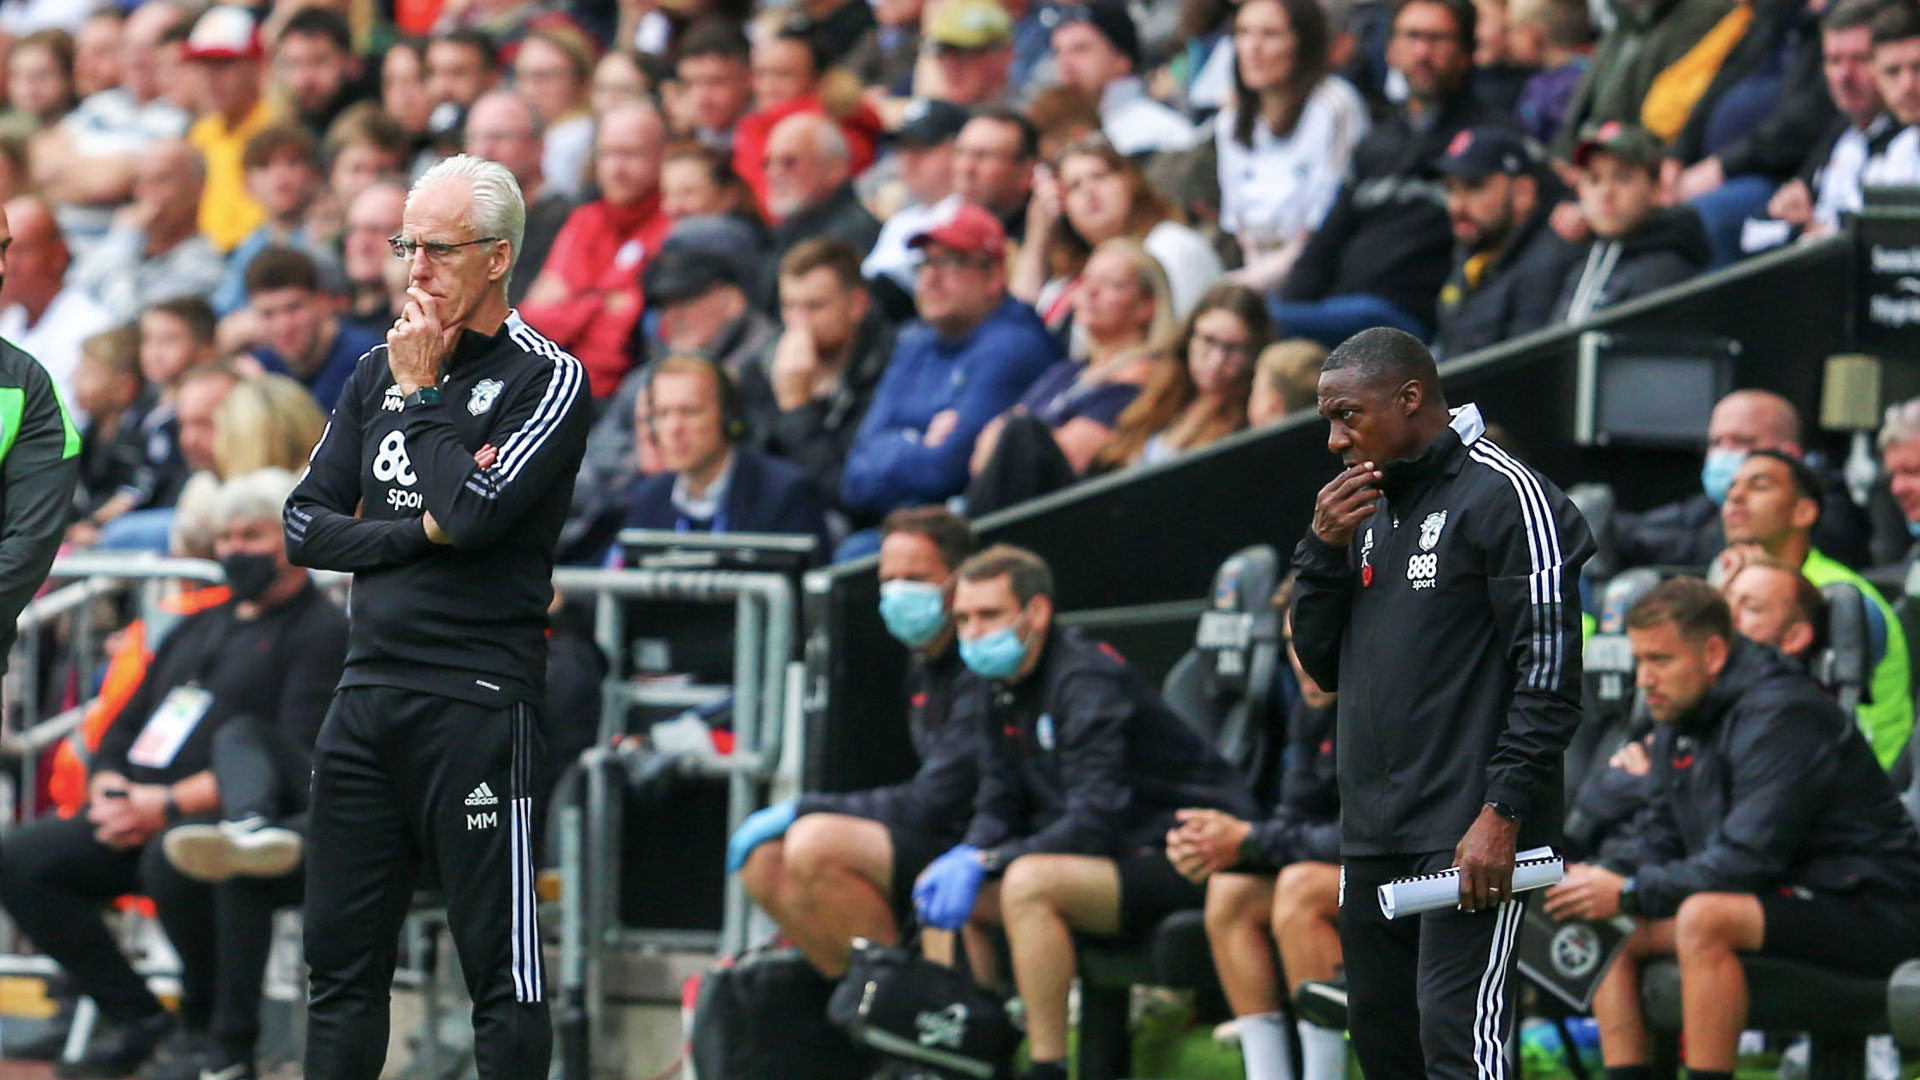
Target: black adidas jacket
(466, 620)
(938, 798)
(1305, 826)
(1766, 784)
(1451, 629)
(1082, 757)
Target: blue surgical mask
(1913, 527)
(915, 612)
(996, 654)
(1716, 476)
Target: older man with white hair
(810, 187)
(458, 442)
(1900, 460)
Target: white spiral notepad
(1535, 868)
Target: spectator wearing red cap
(1097, 49)
(225, 43)
(587, 298)
(974, 353)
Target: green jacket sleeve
(40, 466)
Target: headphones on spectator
(733, 413)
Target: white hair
(1902, 423)
(196, 517)
(495, 208)
(260, 495)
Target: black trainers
(179, 1057)
(119, 1051)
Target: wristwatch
(171, 811)
(1630, 898)
(1505, 811)
(426, 395)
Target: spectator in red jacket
(787, 80)
(587, 298)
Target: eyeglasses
(1207, 342)
(781, 162)
(949, 261)
(404, 248)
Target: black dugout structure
(1133, 553)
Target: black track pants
(1428, 995)
(404, 779)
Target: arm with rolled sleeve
(323, 528)
(541, 435)
(1322, 604)
(1538, 544)
(1090, 715)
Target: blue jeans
(138, 530)
(1337, 318)
(1726, 209)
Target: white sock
(1263, 1043)
(1323, 1052)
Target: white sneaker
(248, 848)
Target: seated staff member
(712, 483)
(1771, 830)
(1276, 883)
(1082, 770)
(830, 868)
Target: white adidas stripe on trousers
(529, 968)
(1490, 999)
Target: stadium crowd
(861, 271)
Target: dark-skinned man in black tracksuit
(1438, 594)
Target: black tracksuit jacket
(1451, 628)
(466, 620)
(1767, 783)
(1082, 757)
(937, 800)
(1305, 826)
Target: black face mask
(250, 575)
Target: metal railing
(591, 834)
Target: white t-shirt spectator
(1280, 187)
(565, 153)
(890, 257)
(1898, 166)
(1190, 262)
(111, 123)
(1137, 124)
(55, 340)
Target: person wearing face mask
(1082, 769)
(1687, 533)
(191, 790)
(833, 867)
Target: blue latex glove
(761, 826)
(943, 897)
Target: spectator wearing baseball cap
(974, 352)
(225, 45)
(924, 146)
(972, 46)
(1508, 265)
(701, 296)
(1097, 48)
(1638, 245)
